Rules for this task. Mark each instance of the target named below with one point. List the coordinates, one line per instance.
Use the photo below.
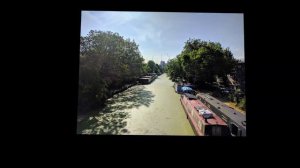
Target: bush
(242, 104)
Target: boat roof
(229, 112)
(215, 120)
(197, 104)
(190, 96)
(184, 88)
(188, 85)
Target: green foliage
(200, 62)
(151, 67)
(158, 69)
(174, 68)
(242, 103)
(107, 61)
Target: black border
(66, 80)
(43, 76)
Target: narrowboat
(147, 79)
(203, 121)
(154, 75)
(183, 87)
(235, 120)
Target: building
(162, 64)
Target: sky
(162, 35)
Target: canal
(152, 109)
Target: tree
(174, 68)
(151, 66)
(107, 62)
(158, 69)
(200, 62)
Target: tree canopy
(107, 61)
(152, 67)
(201, 62)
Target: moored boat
(235, 120)
(203, 121)
(148, 78)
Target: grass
(235, 106)
(229, 103)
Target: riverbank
(226, 102)
(152, 109)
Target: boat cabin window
(234, 129)
(216, 130)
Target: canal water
(152, 109)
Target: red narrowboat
(203, 121)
